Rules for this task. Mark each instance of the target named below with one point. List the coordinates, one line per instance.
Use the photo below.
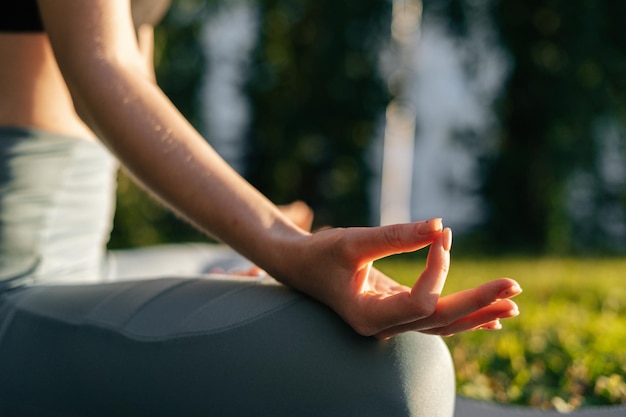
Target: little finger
(485, 317)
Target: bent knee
(427, 371)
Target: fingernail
(510, 292)
(429, 226)
(494, 326)
(447, 239)
(514, 312)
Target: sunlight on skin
(299, 213)
(477, 308)
(379, 306)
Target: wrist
(283, 255)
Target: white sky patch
(229, 37)
(449, 99)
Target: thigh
(198, 347)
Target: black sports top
(23, 15)
(20, 16)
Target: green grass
(567, 348)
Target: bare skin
(106, 89)
(33, 91)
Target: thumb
(379, 242)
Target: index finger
(382, 311)
(428, 287)
(379, 242)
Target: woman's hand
(340, 274)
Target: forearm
(100, 56)
(163, 151)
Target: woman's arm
(97, 51)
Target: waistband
(56, 205)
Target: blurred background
(506, 118)
(510, 115)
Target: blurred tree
(545, 183)
(569, 61)
(317, 96)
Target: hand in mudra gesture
(376, 305)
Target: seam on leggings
(90, 323)
(109, 297)
(239, 323)
(214, 331)
(9, 304)
(122, 325)
(132, 285)
(153, 298)
(173, 336)
(87, 319)
(214, 300)
(6, 320)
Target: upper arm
(90, 36)
(96, 48)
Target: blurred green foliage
(566, 89)
(317, 98)
(567, 80)
(566, 348)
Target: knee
(409, 375)
(427, 374)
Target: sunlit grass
(566, 349)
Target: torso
(56, 189)
(32, 90)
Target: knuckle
(343, 246)
(482, 299)
(394, 236)
(426, 306)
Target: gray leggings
(181, 345)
